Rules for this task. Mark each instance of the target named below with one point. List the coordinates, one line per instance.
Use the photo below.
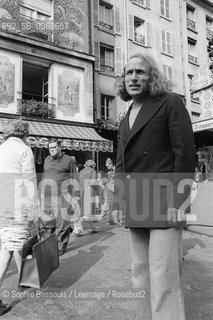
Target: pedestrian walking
(155, 136)
(88, 187)
(110, 187)
(59, 192)
(101, 191)
(18, 196)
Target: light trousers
(5, 260)
(156, 268)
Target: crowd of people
(65, 199)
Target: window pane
(163, 34)
(108, 58)
(108, 16)
(190, 14)
(102, 100)
(168, 37)
(170, 73)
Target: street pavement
(94, 282)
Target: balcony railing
(106, 26)
(192, 59)
(209, 34)
(190, 24)
(107, 69)
(34, 108)
(140, 2)
(140, 38)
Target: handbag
(39, 260)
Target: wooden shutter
(118, 61)
(131, 26)
(163, 41)
(97, 55)
(169, 44)
(95, 9)
(170, 73)
(117, 20)
(148, 34)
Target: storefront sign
(203, 125)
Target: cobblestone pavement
(95, 272)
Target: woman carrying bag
(18, 196)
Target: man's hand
(176, 217)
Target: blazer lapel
(126, 130)
(148, 110)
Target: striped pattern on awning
(68, 132)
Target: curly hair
(16, 128)
(90, 163)
(157, 85)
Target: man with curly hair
(155, 139)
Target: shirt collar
(16, 139)
(58, 159)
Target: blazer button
(145, 153)
(128, 176)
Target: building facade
(122, 28)
(199, 33)
(176, 33)
(46, 73)
(60, 62)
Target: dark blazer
(160, 142)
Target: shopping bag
(39, 260)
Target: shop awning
(73, 137)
